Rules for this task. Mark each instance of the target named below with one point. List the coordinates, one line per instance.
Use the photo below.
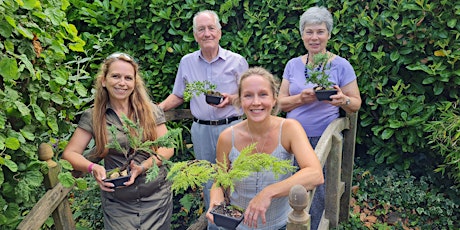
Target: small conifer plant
(197, 88)
(194, 173)
(316, 72)
(138, 146)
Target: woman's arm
(294, 140)
(351, 93)
(73, 153)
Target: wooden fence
(335, 149)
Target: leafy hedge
(405, 54)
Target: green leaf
(12, 143)
(65, 164)
(31, 4)
(52, 123)
(81, 89)
(57, 98)
(28, 64)
(9, 69)
(11, 165)
(34, 178)
(25, 32)
(22, 108)
(39, 115)
(81, 183)
(27, 134)
(66, 179)
(387, 133)
(452, 23)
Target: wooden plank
(178, 114)
(200, 224)
(44, 207)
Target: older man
(219, 66)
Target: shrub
(396, 198)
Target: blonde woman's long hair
(140, 110)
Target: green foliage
(40, 93)
(194, 173)
(86, 206)
(317, 74)
(402, 201)
(197, 88)
(445, 138)
(405, 54)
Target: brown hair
(260, 71)
(141, 109)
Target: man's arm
(171, 102)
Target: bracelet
(90, 167)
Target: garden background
(404, 52)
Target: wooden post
(334, 187)
(62, 215)
(347, 166)
(298, 218)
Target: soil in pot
(118, 178)
(227, 216)
(214, 97)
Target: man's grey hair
(210, 12)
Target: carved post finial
(298, 200)
(46, 153)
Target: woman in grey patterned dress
(263, 195)
(121, 91)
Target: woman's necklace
(265, 138)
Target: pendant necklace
(265, 139)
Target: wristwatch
(347, 101)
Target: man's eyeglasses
(118, 55)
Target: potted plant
(194, 173)
(119, 175)
(316, 73)
(203, 87)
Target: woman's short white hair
(314, 16)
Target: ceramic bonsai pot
(211, 99)
(222, 220)
(325, 94)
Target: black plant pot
(325, 94)
(211, 99)
(228, 222)
(118, 182)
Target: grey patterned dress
(246, 189)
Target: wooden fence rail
(335, 149)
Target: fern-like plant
(194, 173)
(137, 145)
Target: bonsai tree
(194, 173)
(316, 72)
(138, 145)
(197, 88)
